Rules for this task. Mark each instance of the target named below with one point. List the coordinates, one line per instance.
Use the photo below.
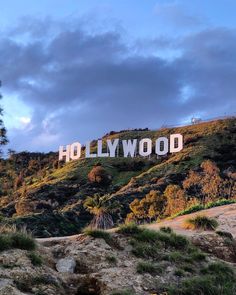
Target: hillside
(48, 196)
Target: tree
(99, 175)
(102, 208)
(205, 184)
(3, 131)
(176, 199)
(147, 209)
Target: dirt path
(225, 215)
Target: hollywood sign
(130, 148)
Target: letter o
(164, 151)
(142, 151)
(75, 151)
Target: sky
(73, 70)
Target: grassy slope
(214, 140)
(202, 141)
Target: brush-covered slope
(49, 196)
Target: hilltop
(48, 196)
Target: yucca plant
(102, 208)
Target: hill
(48, 196)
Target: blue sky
(69, 68)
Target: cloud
(80, 85)
(175, 14)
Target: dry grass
(201, 222)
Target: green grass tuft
(129, 229)
(148, 267)
(35, 259)
(201, 222)
(18, 240)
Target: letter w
(129, 147)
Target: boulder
(66, 265)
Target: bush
(225, 234)
(145, 250)
(5, 242)
(201, 222)
(98, 175)
(129, 229)
(148, 267)
(167, 229)
(216, 279)
(19, 240)
(199, 207)
(35, 259)
(111, 259)
(101, 234)
(23, 241)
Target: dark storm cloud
(81, 85)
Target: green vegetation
(42, 193)
(101, 234)
(129, 229)
(18, 240)
(225, 234)
(199, 207)
(216, 279)
(111, 259)
(149, 267)
(35, 259)
(201, 222)
(101, 207)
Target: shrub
(200, 207)
(201, 222)
(145, 250)
(148, 267)
(98, 175)
(129, 229)
(216, 279)
(225, 234)
(5, 242)
(179, 273)
(35, 259)
(148, 236)
(111, 259)
(167, 229)
(22, 241)
(98, 234)
(10, 237)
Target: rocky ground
(110, 264)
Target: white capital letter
(100, 153)
(145, 151)
(75, 151)
(162, 146)
(176, 143)
(112, 147)
(87, 151)
(129, 147)
(64, 153)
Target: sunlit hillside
(48, 196)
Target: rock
(4, 283)
(67, 264)
(9, 290)
(221, 247)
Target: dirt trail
(225, 215)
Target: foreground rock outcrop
(133, 261)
